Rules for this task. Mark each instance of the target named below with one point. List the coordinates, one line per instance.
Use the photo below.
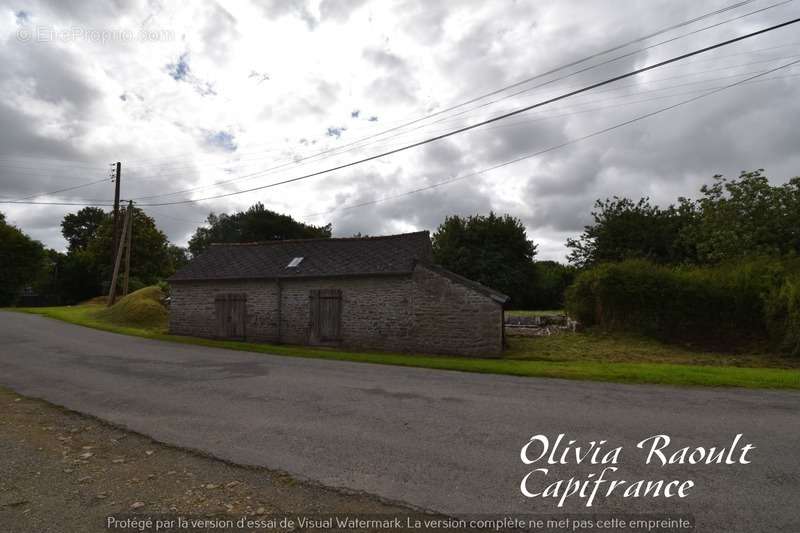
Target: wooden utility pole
(112, 292)
(115, 239)
(128, 249)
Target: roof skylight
(294, 262)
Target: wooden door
(231, 310)
(326, 316)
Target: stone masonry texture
(422, 312)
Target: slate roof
(357, 256)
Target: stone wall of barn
(192, 312)
(453, 318)
(375, 311)
(424, 312)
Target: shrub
(720, 306)
(782, 313)
(165, 288)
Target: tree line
(730, 220)
(84, 270)
(720, 271)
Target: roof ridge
(458, 278)
(318, 239)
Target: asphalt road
(446, 441)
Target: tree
(747, 217)
(178, 256)
(549, 283)
(734, 218)
(255, 224)
(79, 228)
(21, 261)
(150, 257)
(492, 250)
(624, 229)
(72, 277)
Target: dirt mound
(142, 308)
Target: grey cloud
(393, 80)
(385, 59)
(219, 33)
(423, 211)
(282, 8)
(662, 157)
(53, 71)
(391, 89)
(424, 21)
(338, 10)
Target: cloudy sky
(205, 99)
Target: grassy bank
(585, 356)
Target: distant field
(585, 355)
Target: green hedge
(726, 306)
(782, 313)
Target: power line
(18, 200)
(349, 147)
(82, 204)
(633, 102)
(660, 89)
(239, 162)
(731, 67)
(552, 148)
(496, 118)
(518, 123)
(50, 160)
(494, 167)
(571, 64)
(262, 172)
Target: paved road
(446, 441)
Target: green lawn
(586, 356)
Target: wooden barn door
(326, 316)
(231, 312)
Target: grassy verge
(583, 356)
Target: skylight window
(294, 262)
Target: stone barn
(381, 293)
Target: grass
(140, 309)
(620, 348)
(525, 312)
(583, 356)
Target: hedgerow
(734, 305)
